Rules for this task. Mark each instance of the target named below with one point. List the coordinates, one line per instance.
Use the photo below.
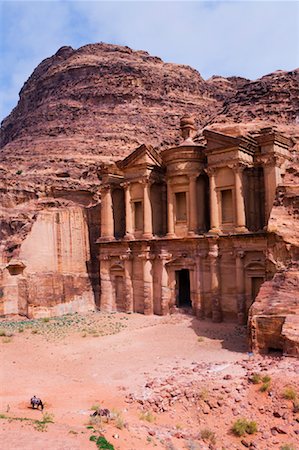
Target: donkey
(36, 402)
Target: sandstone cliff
(83, 107)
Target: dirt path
(75, 370)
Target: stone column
(129, 215)
(147, 212)
(171, 283)
(106, 285)
(192, 205)
(214, 208)
(147, 282)
(201, 207)
(199, 307)
(272, 177)
(165, 289)
(240, 287)
(215, 282)
(240, 205)
(170, 216)
(107, 225)
(127, 258)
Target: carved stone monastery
(186, 228)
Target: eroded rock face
(274, 315)
(83, 107)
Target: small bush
(200, 339)
(7, 340)
(2, 332)
(289, 393)
(46, 319)
(256, 378)
(265, 386)
(95, 407)
(20, 329)
(148, 416)
(266, 379)
(208, 435)
(34, 331)
(243, 426)
(287, 447)
(19, 172)
(101, 442)
(204, 394)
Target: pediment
(217, 140)
(144, 155)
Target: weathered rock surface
(83, 107)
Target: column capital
(210, 171)
(103, 257)
(238, 166)
(193, 176)
(106, 187)
(126, 256)
(146, 256)
(239, 253)
(165, 255)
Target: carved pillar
(170, 216)
(240, 287)
(106, 284)
(165, 289)
(171, 283)
(215, 282)
(129, 215)
(200, 256)
(214, 208)
(201, 207)
(127, 258)
(272, 177)
(240, 204)
(192, 205)
(147, 212)
(147, 282)
(107, 226)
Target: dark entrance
(183, 288)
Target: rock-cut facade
(186, 228)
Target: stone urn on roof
(188, 129)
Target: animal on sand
(36, 402)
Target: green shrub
(46, 319)
(265, 386)
(148, 416)
(208, 435)
(256, 378)
(101, 442)
(243, 426)
(287, 447)
(289, 393)
(266, 379)
(2, 332)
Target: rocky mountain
(82, 107)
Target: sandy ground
(75, 368)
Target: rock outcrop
(83, 107)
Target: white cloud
(243, 38)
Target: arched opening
(119, 220)
(159, 210)
(203, 203)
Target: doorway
(256, 283)
(183, 299)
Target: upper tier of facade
(222, 185)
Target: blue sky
(246, 38)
